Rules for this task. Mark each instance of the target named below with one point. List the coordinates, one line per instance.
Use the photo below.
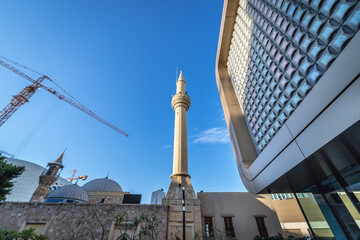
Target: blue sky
(119, 58)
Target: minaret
(180, 177)
(47, 178)
(180, 103)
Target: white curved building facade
(288, 77)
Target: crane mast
(29, 91)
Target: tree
(127, 226)
(91, 223)
(74, 230)
(8, 172)
(96, 225)
(28, 234)
(150, 226)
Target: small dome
(102, 185)
(69, 192)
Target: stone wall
(75, 221)
(109, 197)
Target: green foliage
(198, 235)
(176, 235)
(28, 234)
(279, 236)
(7, 173)
(150, 225)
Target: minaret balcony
(181, 99)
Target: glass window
(314, 216)
(229, 227)
(209, 227)
(261, 226)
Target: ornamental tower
(47, 178)
(180, 103)
(180, 177)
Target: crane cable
(34, 71)
(37, 127)
(18, 64)
(65, 92)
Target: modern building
(288, 78)
(157, 196)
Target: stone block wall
(110, 197)
(75, 221)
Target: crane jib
(29, 91)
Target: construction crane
(84, 177)
(24, 96)
(19, 100)
(73, 171)
(72, 178)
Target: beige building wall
(280, 216)
(291, 219)
(243, 208)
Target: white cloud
(167, 146)
(212, 136)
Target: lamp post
(183, 202)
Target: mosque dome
(69, 193)
(102, 185)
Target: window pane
(229, 227)
(209, 229)
(314, 215)
(261, 226)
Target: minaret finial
(181, 84)
(181, 77)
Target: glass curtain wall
(332, 205)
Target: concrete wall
(281, 216)
(64, 221)
(243, 207)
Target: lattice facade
(279, 51)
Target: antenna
(177, 70)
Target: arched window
(123, 237)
